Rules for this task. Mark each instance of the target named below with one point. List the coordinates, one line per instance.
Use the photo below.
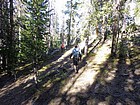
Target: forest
(36, 70)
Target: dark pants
(75, 61)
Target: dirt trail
(100, 81)
(79, 83)
(87, 74)
(23, 90)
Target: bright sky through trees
(60, 5)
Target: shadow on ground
(23, 91)
(59, 77)
(26, 69)
(116, 83)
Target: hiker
(62, 47)
(76, 54)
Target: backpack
(76, 53)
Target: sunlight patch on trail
(86, 76)
(57, 61)
(81, 46)
(67, 53)
(16, 84)
(102, 54)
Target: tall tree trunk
(1, 44)
(117, 39)
(10, 41)
(35, 69)
(69, 28)
(6, 32)
(113, 48)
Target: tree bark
(69, 31)
(113, 49)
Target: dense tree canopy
(29, 29)
(37, 38)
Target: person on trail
(62, 47)
(76, 54)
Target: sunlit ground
(23, 80)
(80, 82)
(8, 88)
(57, 61)
(23, 67)
(67, 53)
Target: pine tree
(34, 37)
